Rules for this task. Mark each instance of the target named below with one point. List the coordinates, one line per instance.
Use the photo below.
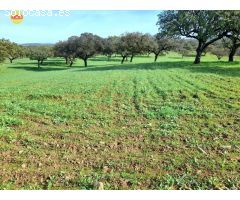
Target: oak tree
(203, 25)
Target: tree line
(190, 33)
(127, 46)
(11, 51)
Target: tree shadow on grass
(36, 69)
(105, 59)
(218, 67)
(219, 70)
(139, 66)
(48, 62)
(52, 63)
(48, 65)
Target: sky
(51, 29)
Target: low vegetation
(142, 125)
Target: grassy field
(144, 125)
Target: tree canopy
(160, 45)
(85, 46)
(61, 49)
(232, 41)
(40, 53)
(203, 25)
(11, 49)
(110, 46)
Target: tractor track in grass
(160, 92)
(193, 85)
(215, 97)
(142, 95)
(135, 97)
(183, 84)
(215, 83)
(120, 99)
(222, 95)
(199, 87)
(209, 95)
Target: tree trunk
(231, 54)
(198, 57)
(156, 57)
(11, 60)
(199, 51)
(85, 62)
(202, 45)
(71, 63)
(123, 58)
(41, 62)
(131, 58)
(66, 59)
(38, 64)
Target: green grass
(140, 125)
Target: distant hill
(37, 44)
